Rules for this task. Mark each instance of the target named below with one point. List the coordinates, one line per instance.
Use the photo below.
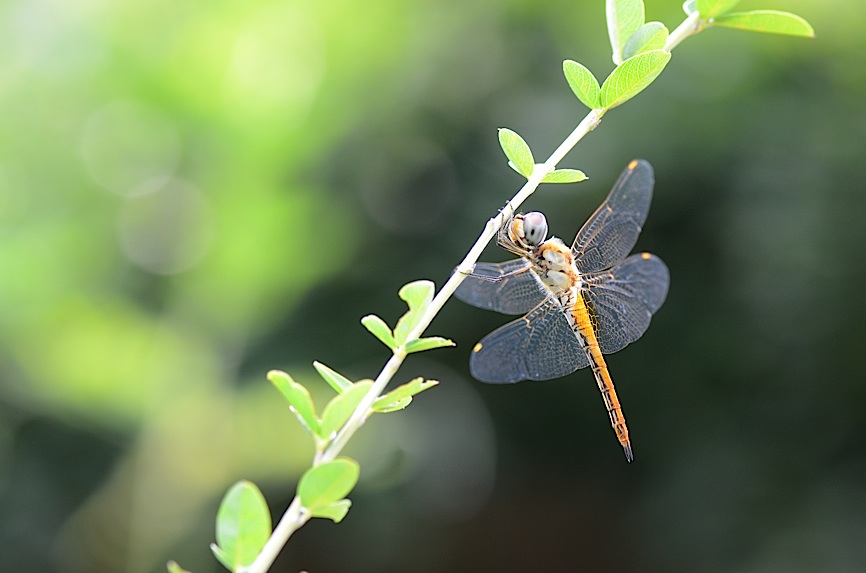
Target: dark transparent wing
(514, 289)
(623, 299)
(539, 346)
(610, 234)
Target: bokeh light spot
(165, 228)
(127, 143)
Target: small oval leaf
(300, 401)
(334, 511)
(624, 17)
(327, 483)
(407, 390)
(767, 21)
(689, 7)
(650, 36)
(380, 330)
(341, 406)
(385, 407)
(712, 8)
(564, 176)
(428, 343)
(417, 295)
(632, 77)
(582, 83)
(517, 151)
(243, 525)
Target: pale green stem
(295, 516)
(589, 123)
(690, 26)
(292, 520)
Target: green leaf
(417, 295)
(327, 483)
(624, 17)
(335, 511)
(336, 380)
(689, 7)
(768, 21)
(243, 525)
(341, 406)
(389, 401)
(380, 330)
(582, 83)
(564, 176)
(392, 407)
(173, 567)
(650, 36)
(712, 8)
(300, 401)
(632, 77)
(517, 151)
(428, 343)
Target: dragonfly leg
(468, 271)
(507, 212)
(489, 278)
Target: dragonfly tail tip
(629, 456)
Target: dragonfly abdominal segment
(579, 303)
(586, 331)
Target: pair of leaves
(629, 34)
(336, 412)
(638, 47)
(718, 13)
(340, 408)
(520, 159)
(401, 396)
(417, 296)
(637, 50)
(624, 19)
(626, 81)
(243, 523)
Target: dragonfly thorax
(554, 264)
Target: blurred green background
(193, 193)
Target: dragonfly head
(526, 232)
(534, 228)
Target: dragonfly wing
(509, 288)
(539, 346)
(623, 299)
(612, 231)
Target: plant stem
(358, 417)
(295, 517)
(690, 26)
(292, 520)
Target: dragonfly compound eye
(534, 228)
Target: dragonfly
(579, 303)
